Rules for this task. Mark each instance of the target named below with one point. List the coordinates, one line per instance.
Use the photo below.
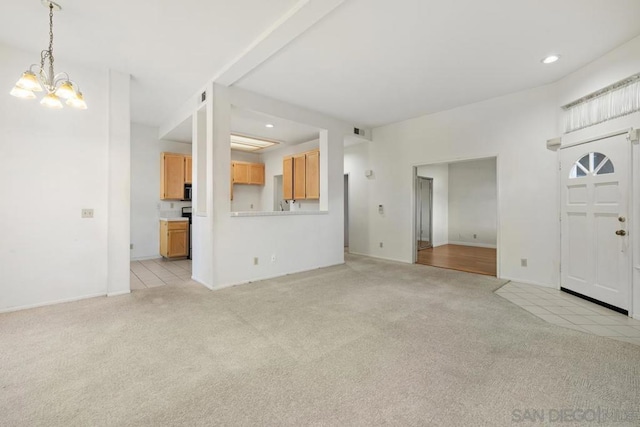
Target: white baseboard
(201, 282)
(115, 294)
(275, 276)
(381, 257)
(476, 245)
(44, 304)
(529, 282)
(145, 258)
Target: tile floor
(572, 312)
(159, 272)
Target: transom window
(591, 164)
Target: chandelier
(58, 86)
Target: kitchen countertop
(174, 219)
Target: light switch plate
(87, 213)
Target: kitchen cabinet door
(287, 178)
(299, 176)
(172, 176)
(178, 243)
(240, 172)
(174, 239)
(188, 171)
(312, 182)
(256, 173)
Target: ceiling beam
(302, 16)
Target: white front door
(595, 220)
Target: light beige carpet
(367, 343)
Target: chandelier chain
(51, 40)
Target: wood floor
(464, 258)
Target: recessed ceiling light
(550, 59)
(268, 125)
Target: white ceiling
(171, 48)
(378, 61)
(252, 123)
(370, 62)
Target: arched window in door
(591, 164)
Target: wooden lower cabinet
(174, 239)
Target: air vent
(358, 131)
(203, 96)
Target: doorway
(456, 215)
(424, 206)
(346, 212)
(595, 221)
(279, 203)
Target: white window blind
(617, 100)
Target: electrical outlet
(171, 205)
(251, 205)
(273, 258)
(523, 262)
(475, 236)
(130, 245)
(86, 213)
(381, 244)
(255, 261)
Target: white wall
(473, 203)
(440, 175)
(515, 127)
(247, 197)
(119, 179)
(356, 162)
(146, 206)
(299, 242)
(616, 65)
(52, 165)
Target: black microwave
(187, 192)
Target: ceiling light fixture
(247, 143)
(550, 59)
(268, 125)
(57, 85)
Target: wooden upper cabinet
(312, 184)
(287, 178)
(188, 170)
(256, 173)
(247, 173)
(240, 172)
(299, 176)
(172, 172)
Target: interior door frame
(414, 172)
(633, 203)
(418, 238)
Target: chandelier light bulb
(29, 81)
(18, 92)
(77, 102)
(51, 101)
(66, 90)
